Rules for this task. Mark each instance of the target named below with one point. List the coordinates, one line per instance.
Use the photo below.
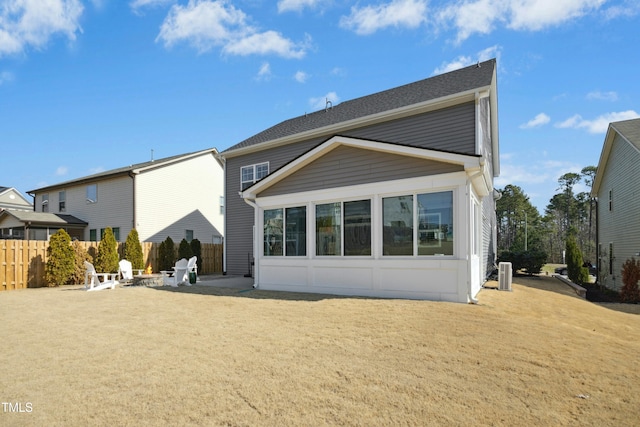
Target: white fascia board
(604, 156)
(468, 162)
(406, 111)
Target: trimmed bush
(184, 250)
(60, 262)
(166, 254)
(530, 262)
(133, 250)
(630, 276)
(196, 249)
(576, 271)
(81, 255)
(107, 258)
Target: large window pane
(296, 223)
(328, 222)
(273, 232)
(435, 223)
(397, 218)
(357, 227)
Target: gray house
(387, 195)
(616, 188)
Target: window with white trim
(92, 193)
(62, 198)
(45, 203)
(251, 174)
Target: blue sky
(88, 86)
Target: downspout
(132, 175)
(256, 270)
(598, 263)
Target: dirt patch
(199, 355)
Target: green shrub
(576, 271)
(166, 254)
(196, 249)
(530, 262)
(107, 258)
(81, 255)
(184, 250)
(630, 276)
(133, 250)
(60, 263)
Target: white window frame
(89, 200)
(254, 170)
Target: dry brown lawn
(209, 356)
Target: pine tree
(133, 250)
(60, 262)
(107, 258)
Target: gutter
(223, 161)
(132, 175)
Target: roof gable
(469, 163)
(44, 218)
(424, 92)
(629, 131)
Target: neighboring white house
(178, 197)
(388, 195)
(617, 189)
(10, 198)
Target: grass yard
(212, 356)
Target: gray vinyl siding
(351, 166)
(621, 224)
(448, 129)
(489, 238)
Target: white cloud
(295, 5)
(265, 71)
(464, 61)
(31, 23)
(301, 76)
(482, 16)
(269, 42)
(599, 124)
(602, 96)
(397, 13)
(205, 24)
(136, 5)
(628, 9)
(539, 120)
(321, 102)
(337, 71)
(62, 170)
(5, 77)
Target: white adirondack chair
(125, 270)
(92, 279)
(180, 274)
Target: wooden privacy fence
(22, 261)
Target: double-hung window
(251, 174)
(92, 193)
(45, 203)
(62, 198)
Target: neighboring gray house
(178, 197)
(387, 195)
(617, 189)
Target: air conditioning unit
(504, 276)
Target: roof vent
(328, 105)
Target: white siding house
(178, 197)
(617, 189)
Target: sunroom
(367, 218)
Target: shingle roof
(46, 218)
(122, 170)
(462, 80)
(630, 129)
